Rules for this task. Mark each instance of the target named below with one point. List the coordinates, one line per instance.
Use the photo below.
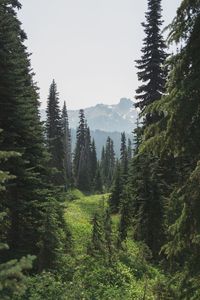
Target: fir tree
(115, 197)
(124, 157)
(80, 144)
(129, 151)
(54, 135)
(67, 146)
(151, 72)
(28, 193)
(97, 246)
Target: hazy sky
(88, 46)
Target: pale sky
(87, 46)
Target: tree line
(158, 197)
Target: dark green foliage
(67, 147)
(147, 188)
(22, 133)
(151, 65)
(125, 219)
(11, 273)
(115, 197)
(108, 163)
(98, 185)
(54, 135)
(97, 242)
(124, 157)
(85, 160)
(93, 160)
(55, 237)
(80, 143)
(129, 151)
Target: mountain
(105, 120)
(113, 118)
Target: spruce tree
(27, 194)
(67, 147)
(116, 192)
(80, 144)
(108, 163)
(124, 157)
(151, 72)
(93, 160)
(54, 135)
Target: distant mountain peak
(109, 118)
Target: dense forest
(76, 227)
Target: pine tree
(11, 272)
(151, 72)
(129, 151)
(67, 147)
(108, 235)
(108, 163)
(97, 246)
(93, 160)
(80, 144)
(28, 193)
(98, 185)
(124, 157)
(54, 135)
(115, 197)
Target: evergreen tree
(66, 146)
(93, 160)
(11, 272)
(125, 219)
(151, 71)
(54, 135)
(80, 144)
(97, 245)
(27, 194)
(108, 163)
(147, 188)
(124, 157)
(129, 151)
(108, 235)
(115, 197)
(98, 185)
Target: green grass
(79, 214)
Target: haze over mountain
(110, 118)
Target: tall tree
(54, 135)
(124, 156)
(80, 144)
(108, 163)
(67, 146)
(26, 195)
(151, 72)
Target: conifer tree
(115, 197)
(97, 246)
(124, 157)
(11, 272)
(129, 151)
(67, 146)
(80, 144)
(108, 235)
(93, 160)
(98, 185)
(28, 193)
(151, 72)
(54, 135)
(108, 163)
